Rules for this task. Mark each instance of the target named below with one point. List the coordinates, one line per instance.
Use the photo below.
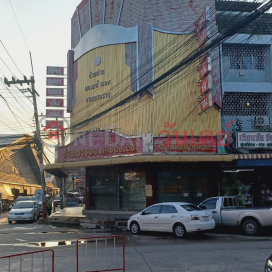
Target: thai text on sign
(54, 81)
(55, 70)
(54, 102)
(59, 92)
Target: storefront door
(124, 191)
(192, 187)
(104, 194)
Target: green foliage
(230, 186)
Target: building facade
(146, 118)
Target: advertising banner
(251, 140)
(194, 145)
(54, 102)
(58, 92)
(206, 103)
(54, 113)
(50, 70)
(54, 81)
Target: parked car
(22, 198)
(57, 201)
(226, 212)
(24, 210)
(177, 217)
(268, 265)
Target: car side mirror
(203, 207)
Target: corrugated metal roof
(141, 159)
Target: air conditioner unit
(261, 121)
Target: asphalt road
(220, 251)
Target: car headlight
(130, 218)
(11, 213)
(29, 212)
(268, 264)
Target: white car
(24, 210)
(177, 217)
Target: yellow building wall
(174, 101)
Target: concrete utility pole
(39, 142)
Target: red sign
(206, 102)
(205, 16)
(54, 113)
(58, 92)
(205, 68)
(48, 122)
(189, 144)
(100, 144)
(203, 35)
(206, 84)
(54, 102)
(55, 70)
(54, 81)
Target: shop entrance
(192, 187)
(124, 191)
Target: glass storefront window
(192, 187)
(124, 191)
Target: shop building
(132, 153)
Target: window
(248, 57)
(190, 207)
(169, 209)
(152, 210)
(210, 204)
(230, 202)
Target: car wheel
(179, 230)
(10, 222)
(134, 228)
(250, 227)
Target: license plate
(19, 217)
(206, 218)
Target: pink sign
(99, 144)
(203, 144)
(48, 124)
(54, 113)
(205, 68)
(202, 36)
(206, 102)
(58, 92)
(54, 81)
(55, 70)
(54, 102)
(205, 84)
(204, 17)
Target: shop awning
(141, 159)
(251, 160)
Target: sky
(46, 26)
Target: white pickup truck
(226, 212)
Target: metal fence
(36, 261)
(106, 253)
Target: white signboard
(254, 140)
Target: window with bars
(246, 104)
(246, 63)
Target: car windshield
(33, 198)
(22, 199)
(190, 207)
(23, 205)
(57, 198)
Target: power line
(19, 25)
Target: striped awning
(252, 156)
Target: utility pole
(39, 142)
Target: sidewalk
(72, 216)
(68, 215)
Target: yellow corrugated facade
(172, 102)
